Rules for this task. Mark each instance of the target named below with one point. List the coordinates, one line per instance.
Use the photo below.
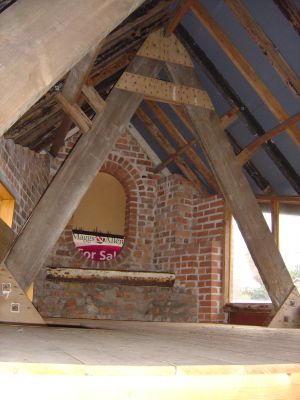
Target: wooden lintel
(128, 278)
(75, 113)
(179, 13)
(162, 48)
(48, 54)
(238, 195)
(163, 91)
(266, 45)
(244, 67)
(93, 98)
(253, 147)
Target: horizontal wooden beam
(73, 29)
(128, 278)
(253, 147)
(167, 92)
(244, 67)
(266, 45)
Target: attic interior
(149, 197)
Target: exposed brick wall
(26, 175)
(169, 228)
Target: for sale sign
(98, 246)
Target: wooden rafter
(48, 55)
(226, 120)
(170, 150)
(287, 74)
(253, 147)
(179, 13)
(290, 11)
(244, 67)
(247, 117)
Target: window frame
(275, 203)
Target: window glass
(246, 284)
(289, 239)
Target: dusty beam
(238, 194)
(39, 49)
(72, 181)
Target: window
(283, 219)
(99, 221)
(7, 203)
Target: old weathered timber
(238, 194)
(62, 197)
(34, 58)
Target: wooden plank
(253, 147)
(179, 13)
(6, 239)
(247, 117)
(162, 48)
(169, 149)
(275, 208)
(48, 54)
(268, 48)
(177, 136)
(128, 278)
(290, 11)
(163, 91)
(63, 195)
(75, 113)
(238, 195)
(93, 98)
(244, 67)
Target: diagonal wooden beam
(63, 195)
(244, 67)
(226, 120)
(179, 13)
(247, 117)
(268, 48)
(238, 194)
(48, 54)
(177, 136)
(169, 149)
(253, 147)
(290, 11)
(71, 92)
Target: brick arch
(132, 184)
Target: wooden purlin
(156, 89)
(238, 194)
